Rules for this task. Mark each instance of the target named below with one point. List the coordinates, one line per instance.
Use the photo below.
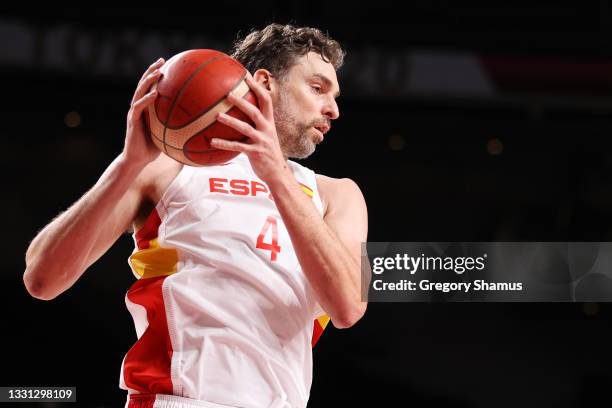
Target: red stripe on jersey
(317, 332)
(141, 401)
(148, 231)
(146, 368)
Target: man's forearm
(330, 268)
(59, 253)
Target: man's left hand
(262, 148)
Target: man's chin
(300, 148)
(302, 153)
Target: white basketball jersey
(222, 310)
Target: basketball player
(234, 262)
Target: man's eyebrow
(327, 82)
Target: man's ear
(265, 78)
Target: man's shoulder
(152, 181)
(336, 190)
(332, 183)
(157, 176)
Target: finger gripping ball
(191, 92)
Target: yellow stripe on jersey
(323, 320)
(154, 261)
(307, 190)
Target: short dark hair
(276, 48)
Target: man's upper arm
(124, 213)
(346, 212)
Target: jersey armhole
(159, 210)
(175, 186)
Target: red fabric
(146, 368)
(148, 231)
(141, 401)
(317, 332)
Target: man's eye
(316, 88)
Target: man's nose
(331, 109)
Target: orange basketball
(191, 92)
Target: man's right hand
(62, 251)
(139, 149)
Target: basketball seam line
(166, 146)
(215, 121)
(210, 107)
(244, 139)
(181, 91)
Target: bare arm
(328, 248)
(63, 250)
(346, 215)
(74, 240)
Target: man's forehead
(312, 63)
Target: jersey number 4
(273, 247)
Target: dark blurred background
(459, 121)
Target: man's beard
(292, 136)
